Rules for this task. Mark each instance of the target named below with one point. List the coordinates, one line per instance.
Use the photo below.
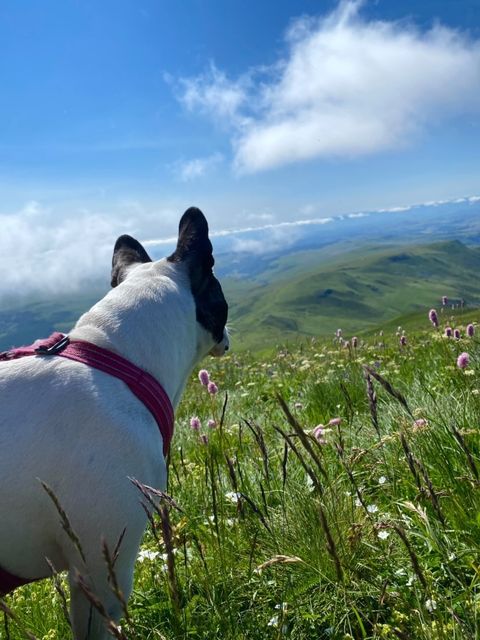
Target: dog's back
(59, 425)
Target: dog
(84, 433)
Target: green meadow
(335, 495)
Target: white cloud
(213, 93)
(346, 87)
(43, 251)
(197, 167)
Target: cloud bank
(345, 87)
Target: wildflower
(233, 496)
(273, 622)
(382, 480)
(444, 300)
(470, 330)
(383, 535)
(334, 422)
(432, 316)
(211, 424)
(318, 433)
(195, 423)
(403, 341)
(146, 554)
(212, 388)
(338, 333)
(354, 342)
(298, 405)
(456, 334)
(420, 422)
(430, 605)
(463, 360)
(372, 508)
(448, 332)
(204, 439)
(204, 377)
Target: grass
(373, 532)
(357, 291)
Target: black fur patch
(194, 248)
(127, 250)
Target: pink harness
(140, 383)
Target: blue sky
(117, 115)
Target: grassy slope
(355, 293)
(374, 533)
(307, 294)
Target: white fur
(84, 433)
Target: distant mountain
(308, 278)
(354, 293)
(257, 252)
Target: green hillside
(356, 293)
(310, 293)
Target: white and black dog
(84, 433)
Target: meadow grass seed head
(433, 317)
(444, 300)
(195, 423)
(354, 342)
(204, 377)
(463, 360)
(403, 341)
(470, 330)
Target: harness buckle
(43, 350)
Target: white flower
(372, 508)
(382, 480)
(383, 535)
(233, 496)
(430, 605)
(273, 622)
(146, 554)
(358, 502)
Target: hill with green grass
(304, 294)
(355, 291)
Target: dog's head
(193, 254)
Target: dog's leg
(88, 623)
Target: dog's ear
(194, 246)
(127, 251)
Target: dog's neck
(150, 320)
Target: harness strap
(140, 382)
